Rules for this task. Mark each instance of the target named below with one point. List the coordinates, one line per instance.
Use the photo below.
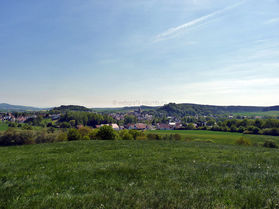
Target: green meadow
(216, 136)
(141, 174)
(3, 126)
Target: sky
(111, 53)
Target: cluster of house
(143, 126)
(141, 116)
(12, 118)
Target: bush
(136, 133)
(73, 134)
(125, 135)
(62, 136)
(93, 134)
(270, 144)
(177, 137)
(44, 137)
(84, 131)
(85, 138)
(243, 141)
(13, 137)
(51, 130)
(271, 131)
(106, 133)
(241, 129)
(27, 127)
(154, 136)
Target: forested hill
(273, 108)
(196, 109)
(65, 108)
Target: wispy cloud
(172, 32)
(273, 20)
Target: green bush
(136, 133)
(73, 134)
(271, 131)
(84, 131)
(85, 138)
(154, 136)
(93, 134)
(45, 137)
(106, 133)
(13, 137)
(243, 141)
(27, 127)
(125, 135)
(270, 144)
(61, 136)
(177, 137)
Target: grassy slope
(138, 174)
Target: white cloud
(171, 32)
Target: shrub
(243, 141)
(44, 137)
(62, 136)
(12, 124)
(136, 133)
(51, 130)
(84, 131)
(125, 135)
(27, 127)
(85, 138)
(241, 129)
(270, 144)
(106, 133)
(154, 136)
(93, 134)
(216, 128)
(204, 141)
(73, 134)
(177, 137)
(271, 131)
(13, 137)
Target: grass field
(139, 174)
(217, 137)
(3, 126)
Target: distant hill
(64, 108)
(124, 109)
(4, 107)
(272, 108)
(171, 109)
(197, 109)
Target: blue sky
(118, 53)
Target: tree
(106, 133)
(129, 119)
(73, 134)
